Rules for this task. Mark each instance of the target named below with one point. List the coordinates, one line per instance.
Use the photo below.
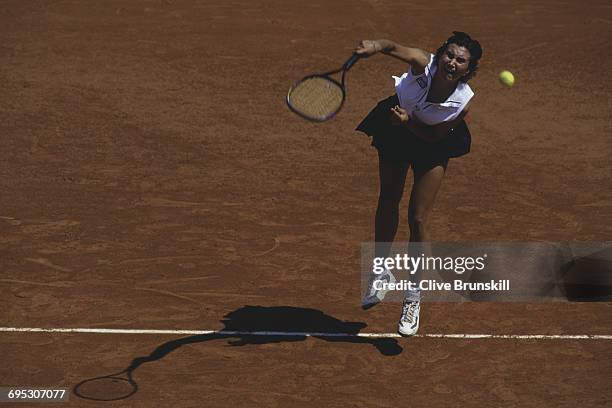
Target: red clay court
(153, 178)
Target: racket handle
(351, 61)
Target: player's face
(454, 62)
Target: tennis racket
(319, 97)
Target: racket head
(316, 97)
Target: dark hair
(464, 40)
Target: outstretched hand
(367, 48)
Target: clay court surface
(153, 178)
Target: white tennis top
(412, 92)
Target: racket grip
(351, 61)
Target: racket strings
(316, 97)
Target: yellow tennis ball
(506, 78)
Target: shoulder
(423, 62)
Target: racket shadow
(239, 326)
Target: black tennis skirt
(399, 144)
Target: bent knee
(417, 222)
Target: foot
(409, 320)
(373, 296)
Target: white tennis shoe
(374, 296)
(409, 319)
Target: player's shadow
(252, 325)
(279, 324)
(310, 322)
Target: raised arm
(417, 58)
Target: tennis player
(421, 126)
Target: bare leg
(392, 179)
(424, 191)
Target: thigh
(392, 177)
(427, 182)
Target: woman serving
(422, 126)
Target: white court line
(310, 334)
